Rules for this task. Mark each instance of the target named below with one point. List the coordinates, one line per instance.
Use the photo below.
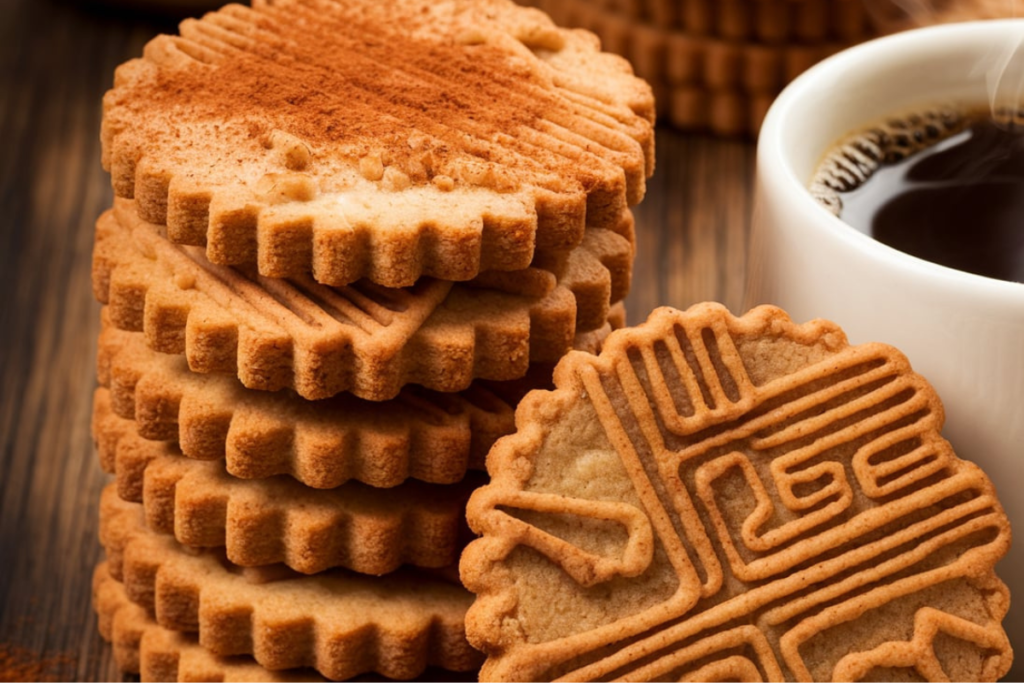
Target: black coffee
(956, 199)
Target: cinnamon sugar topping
(332, 82)
(353, 76)
(366, 98)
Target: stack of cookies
(718, 64)
(347, 238)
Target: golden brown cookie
(141, 646)
(363, 338)
(339, 623)
(278, 520)
(722, 498)
(420, 434)
(385, 141)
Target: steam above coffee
(944, 185)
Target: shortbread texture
(420, 434)
(363, 338)
(723, 498)
(379, 140)
(278, 520)
(141, 646)
(339, 623)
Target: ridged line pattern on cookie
(373, 175)
(420, 434)
(717, 497)
(320, 341)
(339, 623)
(278, 520)
(763, 21)
(141, 646)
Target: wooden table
(56, 60)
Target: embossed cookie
(278, 520)
(380, 141)
(362, 338)
(339, 623)
(722, 498)
(141, 646)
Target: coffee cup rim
(773, 160)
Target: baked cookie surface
(142, 646)
(337, 622)
(363, 338)
(386, 141)
(717, 497)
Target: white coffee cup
(963, 332)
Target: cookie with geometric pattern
(336, 622)
(381, 141)
(319, 340)
(141, 646)
(735, 498)
(279, 520)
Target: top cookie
(383, 140)
(720, 498)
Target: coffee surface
(958, 203)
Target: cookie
(307, 137)
(420, 434)
(597, 272)
(141, 646)
(320, 341)
(278, 520)
(339, 623)
(717, 497)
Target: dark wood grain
(56, 60)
